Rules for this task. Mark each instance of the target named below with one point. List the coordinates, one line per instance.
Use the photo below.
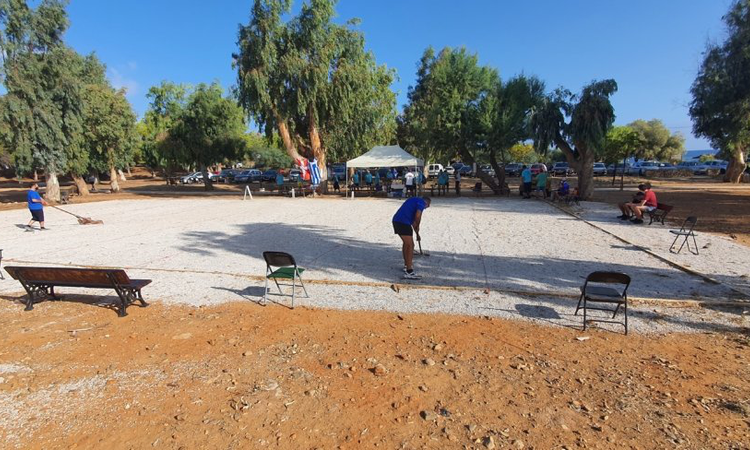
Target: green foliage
(210, 128)
(446, 111)
(721, 92)
(42, 106)
(167, 101)
(110, 131)
(263, 153)
(656, 141)
(522, 153)
(706, 157)
(622, 142)
(311, 77)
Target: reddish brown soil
(244, 376)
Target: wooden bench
(660, 213)
(41, 282)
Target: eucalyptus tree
(720, 108)
(42, 104)
(312, 81)
(166, 103)
(583, 136)
(210, 129)
(110, 129)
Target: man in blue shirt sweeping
(405, 222)
(36, 207)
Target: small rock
(428, 415)
(437, 347)
(269, 385)
(423, 388)
(428, 362)
(518, 444)
(396, 289)
(472, 427)
(489, 442)
(247, 353)
(583, 338)
(183, 336)
(379, 370)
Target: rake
(81, 220)
(419, 242)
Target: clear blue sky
(651, 47)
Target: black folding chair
(687, 231)
(287, 269)
(605, 294)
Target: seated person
(562, 191)
(625, 206)
(648, 204)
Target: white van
(434, 169)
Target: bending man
(406, 222)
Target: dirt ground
(244, 376)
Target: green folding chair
(280, 265)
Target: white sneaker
(411, 276)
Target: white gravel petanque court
(508, 257)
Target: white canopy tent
(383, 156)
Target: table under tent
(385, 156)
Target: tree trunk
(81, 186)
(736, 166)
(286, 138)
(36, 175)
(488, 180)
(129, 173)
(208, 185)
(585, 173)
(319, 153)
(113, 185)
(122, 175)
(499, 171)
(52, 192)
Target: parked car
(269, 175)
(450, 170)
(434, 169)
(561, 168)
(191, 178)
(227, 175)
(640, 167)
(600, 169)
(619, 167)
(465, 170)
(248, 176)
(697, 167)
(665, 166)
(513, 169)
(488, 170)
(717, 164)
(295, 174)
(536, 169)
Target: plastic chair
(685, 230)
(604, 294)
(287, 269)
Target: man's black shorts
(37, 214)
(402, 229)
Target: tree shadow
(330, 253)
(110, 302)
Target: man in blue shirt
(36, 207)
(526, 178)
(407, 218)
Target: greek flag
(314, 172)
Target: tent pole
(346, 189)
